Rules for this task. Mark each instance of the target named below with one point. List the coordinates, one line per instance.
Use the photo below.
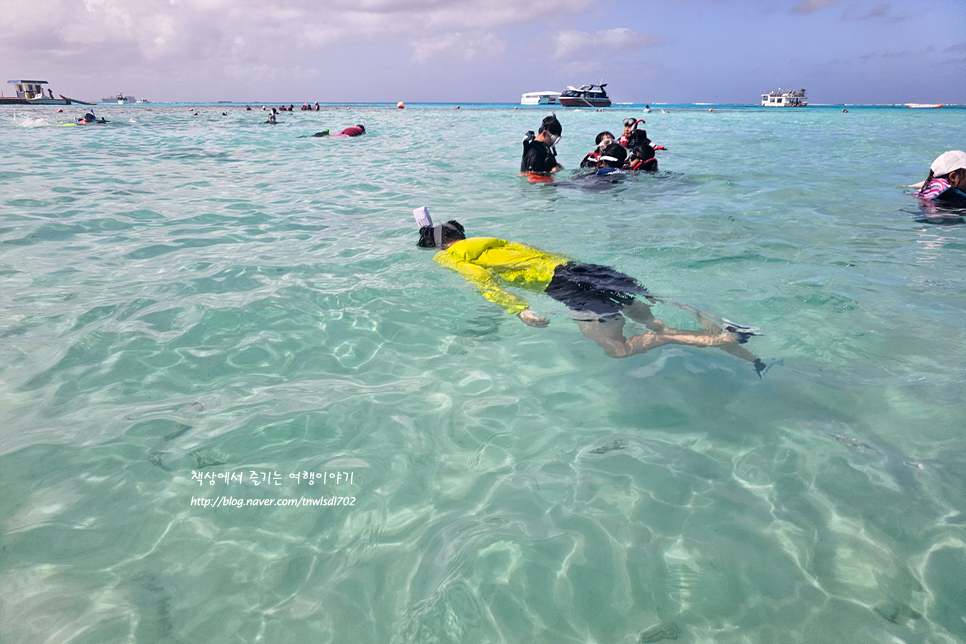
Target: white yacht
(540, 98)
(120, 99)
(787, 98)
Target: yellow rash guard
(489, 263)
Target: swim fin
(762, 365)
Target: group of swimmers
(598, 296)
(352, 131)
(633, 151)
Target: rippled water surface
(205, 295)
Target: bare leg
(641, 313)
(608, 333)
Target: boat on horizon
(788, 98)
(540, 98)
(921, 106)
(31, 92)
(585, 96)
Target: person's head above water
(551, 125)
(950, 166)
(550, 131)
(604, 139)
(361, 127)
(613, 156)
(440, 236)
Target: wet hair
(600, 137)
(552, 125)
(639, 137)
(361, 127)
(453, 231)
(616, 151)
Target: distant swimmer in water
(599, 296)
(355, 130)
(271, 118)
(89, 118)
(946, 183)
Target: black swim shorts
(592, 287)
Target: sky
(332, 51)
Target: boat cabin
(28, 89)
(539, 98)
(787, 98)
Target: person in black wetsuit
(539, 156)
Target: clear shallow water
(204, 293)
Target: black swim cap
(613, 156)
(552, 125)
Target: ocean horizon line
(490, 104)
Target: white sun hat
(948, 162)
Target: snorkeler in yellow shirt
(600, 295)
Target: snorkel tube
(424, 220)
(431, 236)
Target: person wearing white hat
(947, 178)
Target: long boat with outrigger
(32, 92)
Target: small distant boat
(539, 98)
(921, 106)
(31, 92)
(120, 99)
(142, 101)
(788, 98)
(585, 96)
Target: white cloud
(580, 43)
(811, 6)
(458, 46)
(188, 29)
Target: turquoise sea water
(188, 294)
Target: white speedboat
(585, 96)
(540, 98)
(788, 98)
